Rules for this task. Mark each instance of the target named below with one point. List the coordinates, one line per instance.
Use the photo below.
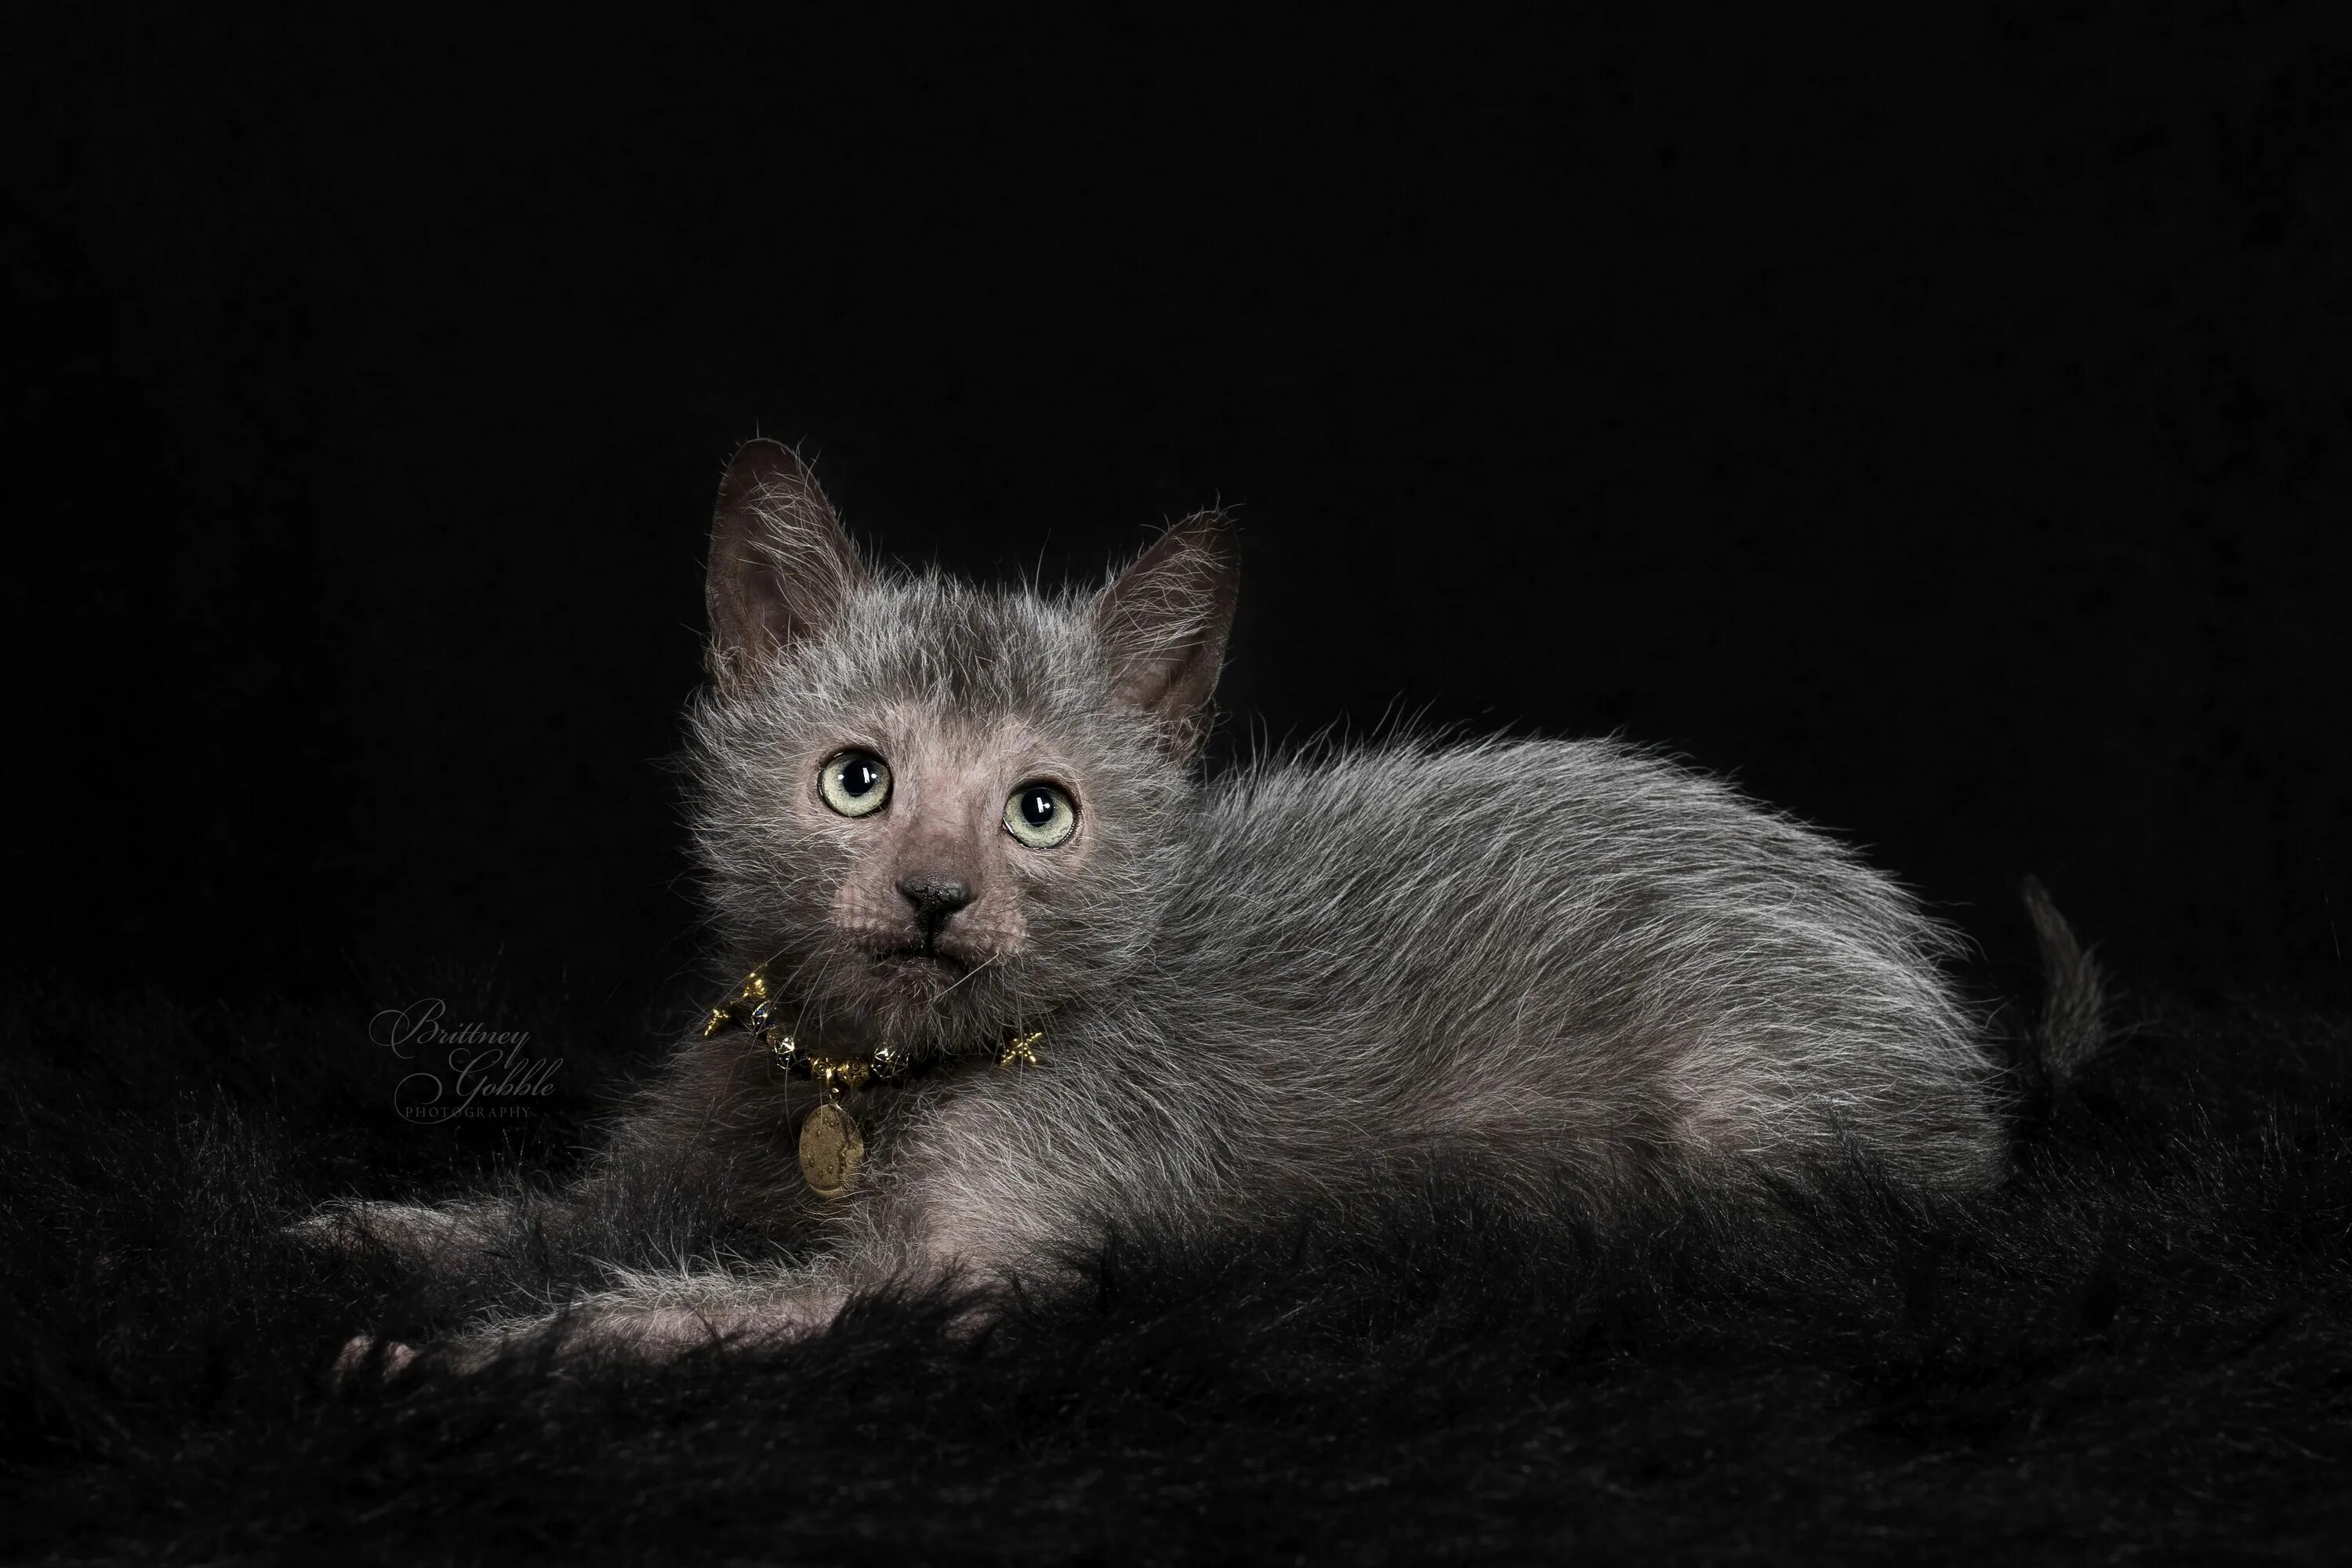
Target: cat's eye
(855, 784)
(1041, 815)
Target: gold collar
(832, 1144)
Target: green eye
(855, 784)
(1041, 815)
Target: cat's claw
(363, 1356)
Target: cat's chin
(912, 977)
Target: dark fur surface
(2139, 1345)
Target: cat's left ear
(1164, 622)
(780, 567)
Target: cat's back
(1571, 910)
(1551, 840)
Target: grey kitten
(1039, 982)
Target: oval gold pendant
(830, 1148)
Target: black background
(1942, 427)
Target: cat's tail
(2073, 1028)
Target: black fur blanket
(2143, 1343)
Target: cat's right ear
(1164, 622)
(781, 566)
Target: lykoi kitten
(1015, 977)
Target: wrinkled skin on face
(932, 884)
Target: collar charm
(832, 1148)
(832, 1143)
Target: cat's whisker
(967, 977)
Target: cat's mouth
(922, 960)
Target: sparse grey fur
(1571, 970)
(2074, 1026)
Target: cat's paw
(365, 1360)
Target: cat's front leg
(446, 1238)
(649, 1319)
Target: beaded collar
(832, 1143)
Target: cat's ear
(1163, 623)
(781, 566)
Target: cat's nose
(935, 899)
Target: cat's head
(939, 810)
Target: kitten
(1021, 979)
